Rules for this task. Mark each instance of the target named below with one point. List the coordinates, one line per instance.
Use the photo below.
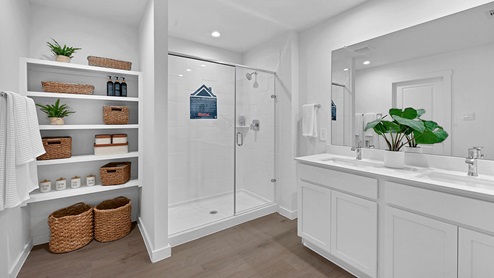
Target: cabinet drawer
(468, 211)
(358, 185)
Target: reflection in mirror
(445, 66)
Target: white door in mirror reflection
(433, 95)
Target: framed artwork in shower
(203, 104)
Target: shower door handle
(240, 139)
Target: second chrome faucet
(473, 154)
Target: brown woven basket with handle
(112, 219)
(108, 63)
(116, 115)
(115, 173)
(56, 147)
(67, 88)
(71, 228)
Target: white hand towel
(358, 125)
(309, 120)
(3, 149)
(369, 117)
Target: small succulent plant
(64, 50)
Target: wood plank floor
(265, 247)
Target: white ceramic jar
(61, 184)
(90, 180)
(45, 186)
(75, 182)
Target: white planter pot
(413, 149)
(62, 58)
(394, 159)
(57, 121)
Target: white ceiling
(245, 24)
(128, 12)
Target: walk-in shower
(221, 146)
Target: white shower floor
(193, 214)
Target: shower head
(249, 75)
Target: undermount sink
(459, 180)
(352, 162)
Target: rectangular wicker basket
(67, 88)
(70, 228)
(108, 63)
(56, 147)
(115, 173)
(112, 219)
(116, 115)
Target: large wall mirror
(445, 66)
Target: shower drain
(213, 212)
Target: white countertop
(436, 179)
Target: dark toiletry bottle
(117, 86)
(109, 87)
(124, 87)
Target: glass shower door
(255, 140)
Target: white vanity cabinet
(337, 215)
(475, 254)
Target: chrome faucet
(358, 149)
(473, 154)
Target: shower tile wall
(201, 150)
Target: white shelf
(86, 158)
(55, 64)
(37, 196)
(69, 127)
(80, 96)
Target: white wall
(281, 55)
(153, 56)
(369, 20)
(14, 223)
(95, 36)
(203, 51)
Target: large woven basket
(112, 219)
(67, 88)
(56, 147)
(108, 63)
(71, 228)
(116, 115)
(115, 173)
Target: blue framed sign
(203, 104)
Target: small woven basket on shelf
(112, 219)
(71, 228)
(116, 115)
(67, 88)
(115, 173)
(56, 147)
(108, 63)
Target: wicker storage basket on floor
(116, 115)
(67, 88)
(108, 63)
(56, 147)
(115, 173)
(70, 228)
(112, 219)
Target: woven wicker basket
(70, 228)
(56, 147)
(67, 88)
(108, 63)
(116, 115)
(112, 219)
(115, 173)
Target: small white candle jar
(45, 186)
(90, 180)
(75, 182)
(61, 184)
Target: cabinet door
(476, 254)
(314, 220)
(354, 231)
(417, 246)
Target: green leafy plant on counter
(56, 110)
(64, 50)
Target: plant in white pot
(432, 134)
(56, 112)
(396, 133)
(62, 53)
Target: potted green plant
(62, 53)
(432, 134)
(56, 112)
(396, 132)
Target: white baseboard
(154, 255)
(20, 260)
(290, 214)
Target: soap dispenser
(124, 87)
(118, 88)
(109, 87)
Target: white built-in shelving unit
(84, 124)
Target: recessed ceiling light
(345, 69)
(366, 62)
(188, 70)
(215, 34)
(180, 75)
(203, 66)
